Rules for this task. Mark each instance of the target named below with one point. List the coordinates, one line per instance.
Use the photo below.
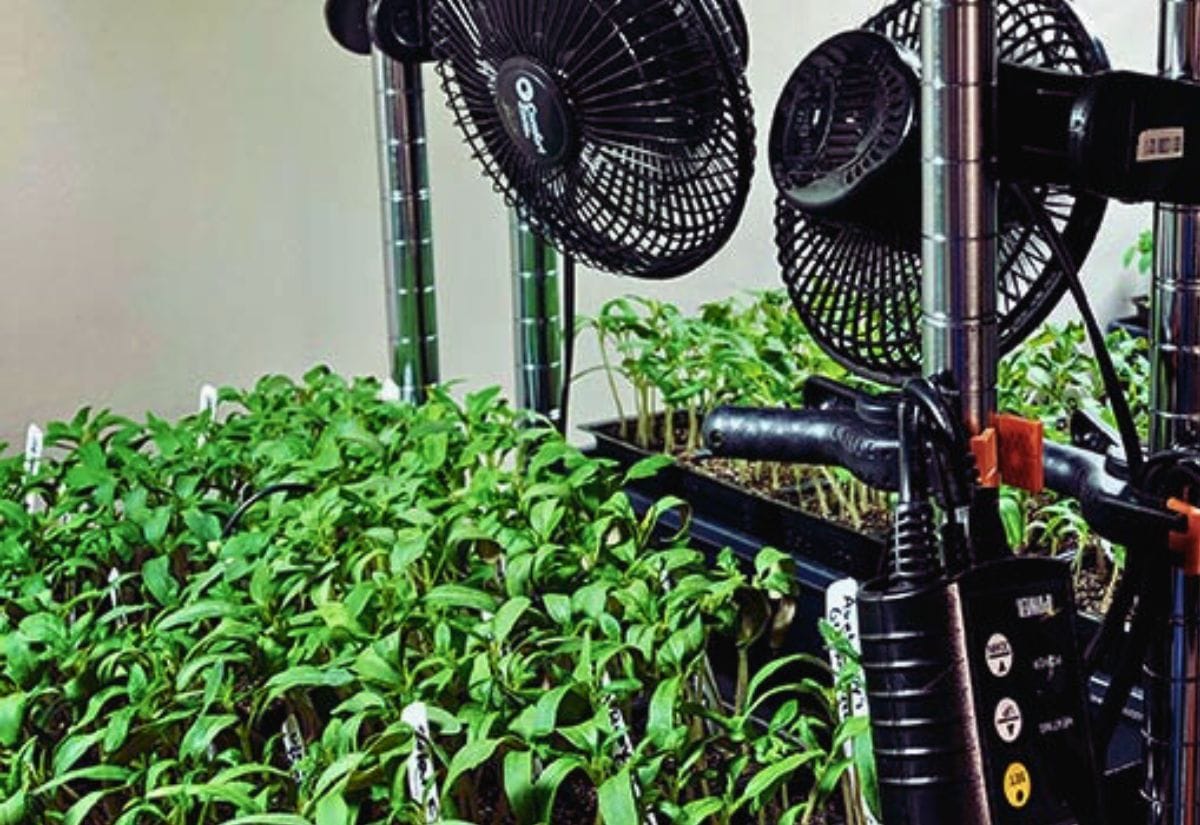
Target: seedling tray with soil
(775, 512)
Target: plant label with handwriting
(35, 448)
(623, 748)
(421, 784)
(841, 611)
(293, 745)
(114, 594)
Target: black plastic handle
(833, 437)
(1110, 506)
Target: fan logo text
(527, 108)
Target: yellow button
(1017, 785)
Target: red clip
(1022, 452)
(1187, 544)
(987, 458)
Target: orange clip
(1187, 544)
(1022, 448)
(987, 458)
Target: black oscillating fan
(844, 150)
(621, 128)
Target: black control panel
(1029, 693)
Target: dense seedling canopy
(224, 621)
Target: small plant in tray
(677, 367)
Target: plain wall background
(188, 193)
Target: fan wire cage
(858, 287)
(621, 128)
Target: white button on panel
(999, 655)
(1008, 720)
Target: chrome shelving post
(407, 226)
(537, 321)
(1172, 723)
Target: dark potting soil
(1094, 585)
(1096, 575)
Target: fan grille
(858, 287)
(662, 145)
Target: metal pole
(407, 226)
(537, 320)
(958, 291)
(959, 237)
(1173, 666)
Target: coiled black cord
(914, 558)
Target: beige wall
(188, 194)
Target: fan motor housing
(844, 142)
(848, 214)
(535, 112)
(347, 22)
(1118, 134)
(400, 29)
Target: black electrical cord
(1140, 573)
(957, 474)
(913, 482)
(1147, 568)
(1149, 614)
(1119, 610)
(264, 493)
(1164, 474)
(1126, 425)
(955, 462)
(570, 301)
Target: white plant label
(623, 748)
(421, 781)
(208, 399)
(841, 611)
(293, 745)
(114, 594)
(35, 448)
(208, 404)
(390, 392)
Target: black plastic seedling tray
(726, 516)
(724, 508)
